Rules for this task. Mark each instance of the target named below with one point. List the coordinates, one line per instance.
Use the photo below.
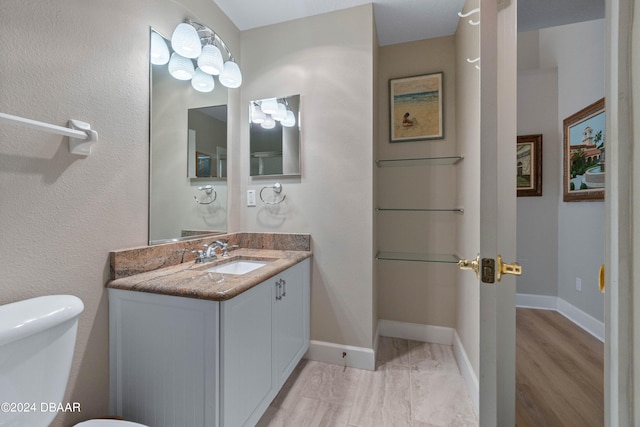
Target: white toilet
(37, 339)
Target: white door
(622, 103)
(497, 207)
(498, 83)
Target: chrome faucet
(211, 249)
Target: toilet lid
(108, 423)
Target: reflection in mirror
(274, 136)
(178, 123)
(207, 157)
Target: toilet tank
(37, 339)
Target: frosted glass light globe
(180, 68)
(269, 106)
(231, 76)
(185, 41)
(269, 123)
(210, 60)
(290, 121)
(202, 82)
(159, 52)
(281, 114)
(257, 116)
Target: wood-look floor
(559, 383)
(559, 372)
(416, 385)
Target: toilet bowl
(108, 423)
(37, 339)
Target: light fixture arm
(212, 35)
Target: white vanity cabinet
(264, 333)
(186, 362)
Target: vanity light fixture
(269, 111)
(269, 106)
(192, 41)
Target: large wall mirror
(274, 136)
(187, 168)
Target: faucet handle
(200, 256)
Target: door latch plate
(488, 270)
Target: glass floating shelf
(419, 257)
(420, 161)
(419, 210)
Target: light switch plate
(251, 197)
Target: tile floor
(416, 385)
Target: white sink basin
(236, 267)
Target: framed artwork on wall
(529, 165)
(416, 108)
(584, 154)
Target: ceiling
(400, 21)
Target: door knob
(470, 264)
(503, 268)
(601, 285)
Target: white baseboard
(582, 319)
(356, 357)
(467, 371)
(416, 332)
(541, 302)
(587, 322)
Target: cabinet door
(292, 318)
(247, 383)
(163, 359)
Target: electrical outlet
(578, 284)
(251, 197)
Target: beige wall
(328, 60)
(61, 214)
(468, 226)
(417, 292)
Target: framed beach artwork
(529, 165)
(416, 108)
(584, 154)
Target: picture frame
(416, 108)
(203, 165)
(584, 154)
(529, 165)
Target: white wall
(328, 60)
(61, 214)
(577, 52)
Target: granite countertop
(189, 279)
